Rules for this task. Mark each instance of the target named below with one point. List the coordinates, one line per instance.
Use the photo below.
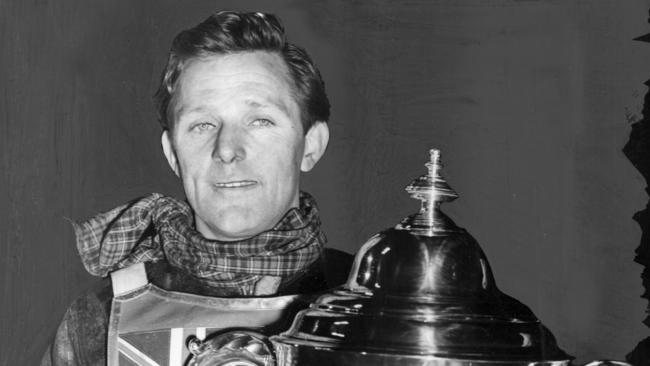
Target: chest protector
(150, 326)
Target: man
(243, 112)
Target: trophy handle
(232, 348)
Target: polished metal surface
(421, 293)
(233, 348)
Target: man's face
(237, 143)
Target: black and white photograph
(336, 183)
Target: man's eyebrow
(255, 104)
(272, 103)
(184, 110)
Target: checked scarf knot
(158, 227)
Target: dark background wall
(530, 101)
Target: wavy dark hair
(229, 32)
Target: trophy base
(295, 354)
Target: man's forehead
(252, 67)
(261, 76)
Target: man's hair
(228, 32)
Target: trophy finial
(431, 189)
(434, 163)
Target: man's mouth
(235, 184)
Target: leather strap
(128, 279)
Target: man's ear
(170, 154)
(316, 141)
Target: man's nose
(229, 145)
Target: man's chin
(232, 229)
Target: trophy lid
(420, 293)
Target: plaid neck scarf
(158, 227)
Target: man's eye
(261, 122)
(203, 126)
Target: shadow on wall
(637, 151)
